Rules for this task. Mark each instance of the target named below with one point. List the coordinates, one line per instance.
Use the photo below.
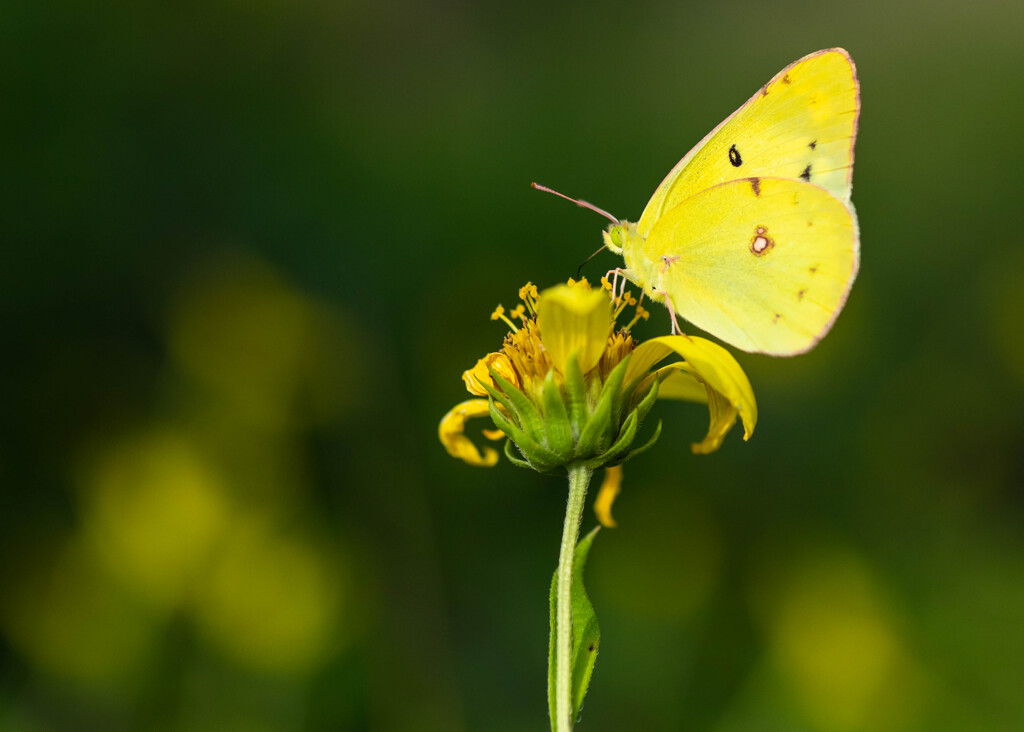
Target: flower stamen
(499, 314)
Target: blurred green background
(249, 248)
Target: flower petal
(643, 359)
(683, 384)
(574, 320)
(723, 417)
(452, 430)
(679, 383)
(606, 497)
(480, 373)
(713, 365)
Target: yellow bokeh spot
(70, 619)
(268, 354)
(153, 508)
(270, 602)
(835, 643)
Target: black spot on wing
(734, 157)
(806, 175)
(786, 79)
(812, 144)
(755, 185)
(800, 294)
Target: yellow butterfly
(752, 236)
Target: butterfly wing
(800, 125)
(765, 264)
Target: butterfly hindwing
(763, 263)
(800, 125)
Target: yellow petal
(723, 417)
(606, 497)
(643, 359)
(574, 320)
(681, 384)
(452, 433)
(709, 362)
(480, 373)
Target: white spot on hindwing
(761, 242)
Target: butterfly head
(622, 235)
(613, 237)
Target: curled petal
(684, 384)
(574, 320)
(480, 373)
(678, 383)
(711, 364)
(606, 497)
(723, 417)
(452, 432)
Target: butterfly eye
(615, 233)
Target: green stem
(579, 479)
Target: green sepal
(600, 427)
(576, 394)
(498, 397)
(648, 401)
(614, 385)
(630, 389)
(586, 635)
(598, 424)
(643, 448)
(621, 444)
(539, 456)
(516, 460)
(556, 420)
(522, 407)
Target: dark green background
(248, 249)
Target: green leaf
(586, 634)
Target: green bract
(576, 422)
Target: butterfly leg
(613, 276)
(672, 315)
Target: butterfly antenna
(579, 270)
(582, 204)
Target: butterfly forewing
(800, 125)
(763, 263)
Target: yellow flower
(568, 388)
